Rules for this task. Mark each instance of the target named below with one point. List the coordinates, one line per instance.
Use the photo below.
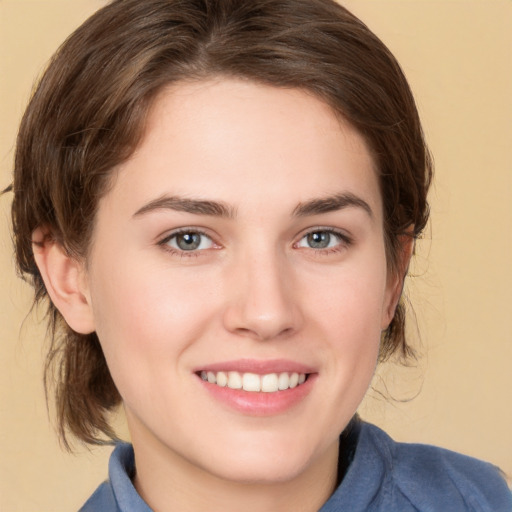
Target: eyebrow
(182, 204)
(331, 204)
(219, 209)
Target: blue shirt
(384, 476)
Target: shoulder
(117, 494)
(102, 499)
(432, 478)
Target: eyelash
(344, 241)
(164, 243)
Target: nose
(261, 303)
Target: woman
(220, 200)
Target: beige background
(458, 57)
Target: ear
(396, 278)
(64, 278)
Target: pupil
(319, 240)
(188, 241)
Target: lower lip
(260, 403)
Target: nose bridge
(260, 302)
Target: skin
(254, 289)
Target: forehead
(223, 137)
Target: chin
(264, 459)
(248, 469)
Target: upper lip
(257, 366)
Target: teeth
(222, 379)
(251, 382)
(234, 380)
(268, 383)
(283, 381)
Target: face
(241, 246)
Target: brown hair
(88, 114)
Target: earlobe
(396, 281)
(63, 277)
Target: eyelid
(344, 241)
(163, 241)
(343, 234)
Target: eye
(323, 239)
(188, 241)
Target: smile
(253, 382)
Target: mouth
(258, 388)
(253, 382)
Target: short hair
(89, 110)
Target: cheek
(348, 314)
(352, 323)
(352, 300)
(148, 319)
